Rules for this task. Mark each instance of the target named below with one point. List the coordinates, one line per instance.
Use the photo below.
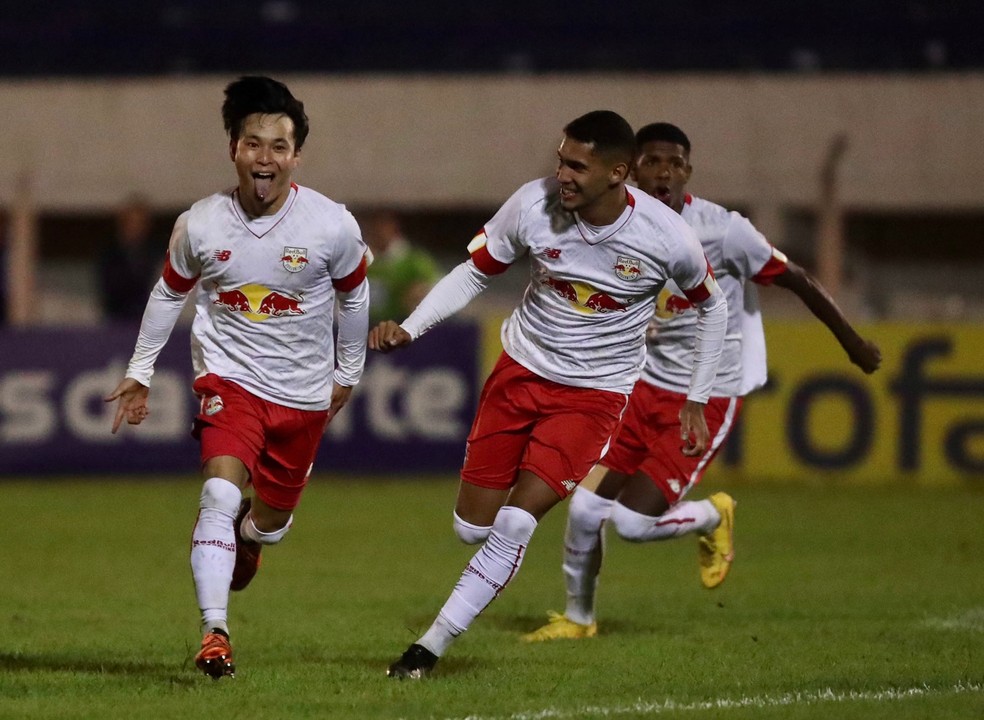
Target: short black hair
(607, 131)
(665, 132)
(258, 94)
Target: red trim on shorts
(175, 281)
(486, 263)
(351, 281)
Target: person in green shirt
(400, 274)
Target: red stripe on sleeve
(353, 279)
(174, 281)
(703, 291)
(775, 267)
(486, 263)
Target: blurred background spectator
(400, 274)
(129, 263)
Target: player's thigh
(641, 494)
(674, 473)
(573, 434)
(479, 505)
(500, 431)
(230, 429)
(284, 467)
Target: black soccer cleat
(414, 664)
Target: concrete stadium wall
(470, 141)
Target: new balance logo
(552, 253)
(569, 485)
(222, 255)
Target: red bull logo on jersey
(583, 297)
(669, 304)
(259, 303)
(294, 259)
(628, 268)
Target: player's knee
(220, 494)
(270, 537)
(514, 524)
(468, 533)
(631, 525)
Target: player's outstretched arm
(133, 403)
(863, 353)
(387, 336)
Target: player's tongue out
(262, 182)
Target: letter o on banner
(861, 432)
(959, 440)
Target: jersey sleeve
(500, 242)
(752, 256)
(181, 267)
(349, 259)
(689, 268)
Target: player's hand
(866, 355)
(693, 429)
(339, 398)
(133, 402)
(388, 336)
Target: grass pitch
(843, 602)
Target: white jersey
(737, 253)
(264, 309)
(592, 290)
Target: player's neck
(606, 209)
(254, 208)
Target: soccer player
(640, 483)
(599, 253)
(273, 259)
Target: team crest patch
(294, 259)
(628, 268)
(212, 405)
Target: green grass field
(843, 603)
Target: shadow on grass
(25, 662)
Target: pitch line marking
(969, 620)
(813, 697)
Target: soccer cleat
(215, 657)
(247, 552)
(560, 627)
(716, 551)
(414, 664)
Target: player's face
(587, 180)
(265, 158)
(662, 170)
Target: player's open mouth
(662, 193)
(567, 193)
(261, 183)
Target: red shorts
(277, 444)
(650, 439)
(526, 422)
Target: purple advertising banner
(411, 412)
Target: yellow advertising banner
(920, 418)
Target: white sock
(699, 516)
(249, 531)
(584, 549)
(487, 574)
(213, 550)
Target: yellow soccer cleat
(560, 627)
(717, 550)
